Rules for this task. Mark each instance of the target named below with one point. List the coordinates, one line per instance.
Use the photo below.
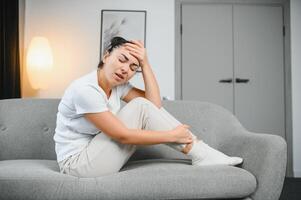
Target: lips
(119, 75)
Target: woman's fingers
(141, 43)
(135, 49)
(137, 56)
(138, 43)
(186, 126)
(135, 53)
(132, 49)
(135, 46)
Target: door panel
(258, 56)
(207, 53)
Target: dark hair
(114, 43)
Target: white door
(239, 43)
(258, 56)
(207, 55)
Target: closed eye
(134, 67)
(122, 60)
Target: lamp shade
(39, 62)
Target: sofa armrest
(264, 155)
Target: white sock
(202, 154)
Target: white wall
(295, 7)
(73, 30)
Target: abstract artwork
(129, 24)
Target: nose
(124, 69)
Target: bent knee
(143, 101)
(140, 100)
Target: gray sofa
(28, 167)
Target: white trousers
(104, 155)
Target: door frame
(286, 51)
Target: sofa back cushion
(27, 127)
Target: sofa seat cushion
(142, 179)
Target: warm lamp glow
(39, 62)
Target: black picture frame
(129, 24)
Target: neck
(103, 83)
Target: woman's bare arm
(152, 91)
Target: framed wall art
(129, 24)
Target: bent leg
(150, 117)
(142, 114)
(102, 156)
(173, 120)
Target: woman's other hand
(181, 134)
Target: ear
(105, 57)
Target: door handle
(229, 80)
(241, 80)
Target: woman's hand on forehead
(138, 42)
(128, 56)
(136, 49)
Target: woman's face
(119, 66)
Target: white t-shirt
(73, 131)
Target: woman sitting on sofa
(93, 136)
